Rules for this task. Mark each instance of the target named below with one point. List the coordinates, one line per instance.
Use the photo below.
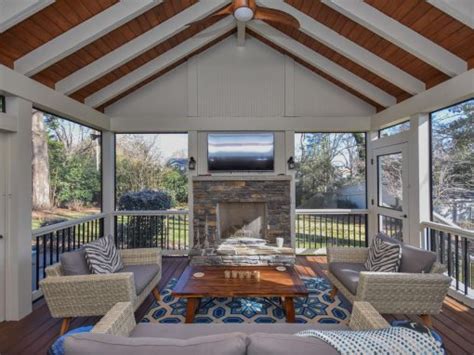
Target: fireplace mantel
(241, 177)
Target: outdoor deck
(35, 333)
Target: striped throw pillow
(383, 257)
(102, 256)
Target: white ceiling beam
(81, 35)
(461, 10)
(137, 46)
(240, 33)
(351, 50)
(162, 62)
(324, 64)
(400, 35)
(13, 12)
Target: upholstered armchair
(418, 288)
(94, 295)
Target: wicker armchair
(95, 295)
(392, 292)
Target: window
(395, 129)
(330, 170)
(390, 181)
(452, 164)
(67, 170)
(154, 165)
(2, 104)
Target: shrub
(142, 231)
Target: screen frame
(240, 171)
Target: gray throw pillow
(102, 256)
(383, 257)
(74, 263)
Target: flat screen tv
(240, 151)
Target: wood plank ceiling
(63, 15)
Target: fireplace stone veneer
(211, 191)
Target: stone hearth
(237, 220)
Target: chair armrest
(410, 293)
(142, 256)
(87, 295)
(349, 255)
(119, 321)
(54, 270)
(364, 317)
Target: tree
(41, 193)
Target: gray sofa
(118, 333)
(418, 288)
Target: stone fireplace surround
(211, 193)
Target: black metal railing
(391, 226)
(455, 249)
(168, 230)
(318, 229)
(51, 241)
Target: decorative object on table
(281, 268)
(198, 274)
(418, 288)
(280, 242)
(316, 308)
(383, 257)
(227, 274)
(58, 346)
(256, 275)
(235, 274)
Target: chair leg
(64, 326)
(333, 292)
(427, 321)
(156, 294)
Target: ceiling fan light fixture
(243, 14)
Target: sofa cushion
(185, 331)
(222, 344)
(414, 260)
(142, 275)
(275, 344)
(102, 256)
(347, 274)
(74, 263)
(383, 257)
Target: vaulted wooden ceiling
(99, 51)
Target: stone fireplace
(238, 219)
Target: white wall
(231, 81)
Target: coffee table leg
(191, 309)
(289, 309)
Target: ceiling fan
(247, 10)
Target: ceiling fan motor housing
(244, 10)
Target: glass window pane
(66, 170)
(390, 131)
(330, 170)
(391, 226)
(2, 104)
(452, 156)
(156, 164)
(390, 181)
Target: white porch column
(108, 180)
(18, 239)
(419, 176)
(371, 186)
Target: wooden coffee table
(285, 284)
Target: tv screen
(240, 151)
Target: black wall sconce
(192, 164)
(291, 163)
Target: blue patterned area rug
(317, 308)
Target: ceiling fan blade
(226, 11)
(276, 16)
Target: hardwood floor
(36, 332)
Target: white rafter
(349, 49)
(461, 10)
(400, 35)
(324, 64)
(15, 11)
(137, 46)
(81, 35)
(162, 62)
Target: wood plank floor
(36, 332)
